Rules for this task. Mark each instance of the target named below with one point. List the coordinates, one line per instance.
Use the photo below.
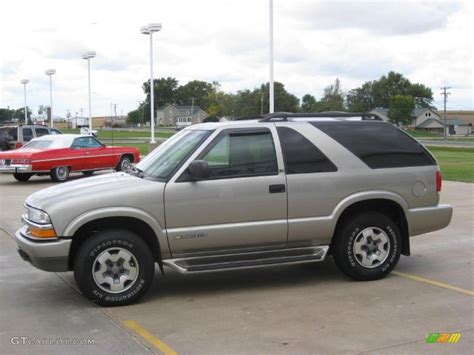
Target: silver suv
(285, 189)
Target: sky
(317, 41)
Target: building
(457, 122)
(175, 115)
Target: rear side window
(300, 155)
(41, 132)
(27, 134)
(379, 145)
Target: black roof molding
(283, 116)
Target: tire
(88, 172)
(124, 164)
(60, 173)
(367, 246)
(22, 176)
(100, 252)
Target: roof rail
(283, 116)
(245, 118)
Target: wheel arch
(390, 204)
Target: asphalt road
(310, 309)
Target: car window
(379, 145)
(240, 154)
(41, 131)
(9, 133)
(86, 142)
(300, 155)
(27, 134)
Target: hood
(64, 202)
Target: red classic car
(59, 155)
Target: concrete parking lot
(310, 309)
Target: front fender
(100, 213)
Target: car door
(86, 153)
(242, 204)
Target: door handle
(275, 189)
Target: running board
(248, 260)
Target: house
(175, 115)
(433, 121)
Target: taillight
(18, 145)
(439, 180)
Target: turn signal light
(42, 233)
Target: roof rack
(246, 118)
(283, 116)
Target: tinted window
(86, 142)
(379, 145)
(300, 155)
(55, 131)
(9, 133)
(239, 154)
(27, 134)
(41, 132)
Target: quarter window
(240, 154)
(300, 155)
(379, 145)
(41, 132)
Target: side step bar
(248, 260)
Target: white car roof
(60, 140)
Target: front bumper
(428, 219)
(16, 168)
(44, 255)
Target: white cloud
(315, 42)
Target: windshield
(163, 161)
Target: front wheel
(367, 246)
(22, 176)
(114, 268)
(60, 173)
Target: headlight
(37, 216)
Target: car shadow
(175, 284)
(46, 179)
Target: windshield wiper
(136, 172)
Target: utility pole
(270, 84)
(445, 94)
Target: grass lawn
(417, 133)
(457, 164)
(107, 134)
(143, 147)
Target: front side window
(300, 155)
(166, 159)
(240, 154)
(27, 134)
(86, 142)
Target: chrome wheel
(62, 172)
(371, 247)
(126, 164)
(115, 270)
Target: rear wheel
(114, 268)
(60, 173)
(22, 176)
(124, 164)
(367, 246)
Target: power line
(445, 94)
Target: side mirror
(198, 170)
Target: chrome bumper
(16, 168)
(45, 255)
(428, 219)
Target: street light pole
(24, 82)
(271, 91)
(88, 55)
(50, 73)
(148, 30)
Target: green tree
(309, 103)
(164, 91)
(136, 116)
(333, 98)
(378, 93)
(200, 91)
(401, 109)
(6, 114)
